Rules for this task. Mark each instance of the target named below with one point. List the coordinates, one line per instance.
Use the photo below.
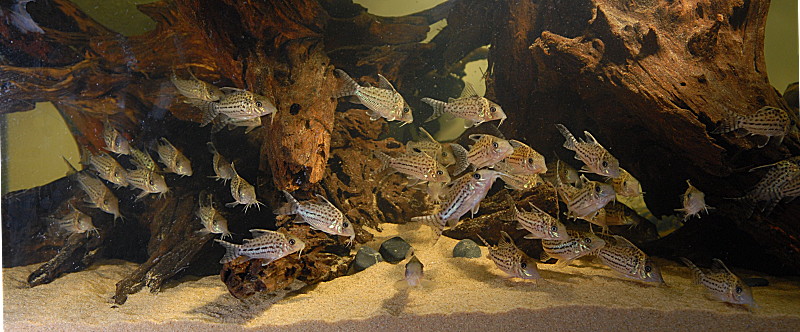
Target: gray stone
(394, 250)
(366, 257)
(467, 248)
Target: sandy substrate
(463, 294)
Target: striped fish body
(769, 187)
(540, 224)
(694, 201)
(471, 107)
(222, 168)
(266, 245)
(242, 192)
(616, 215)
(461, 196)
(321, 214)
(722, 285)
(515, 181)
(115, 142)
(76, 222)
(383, 100)
(767, 121)
(524, 160)
(488, 150)
(195, 88)
(99, 195)
(237, 105)
(511, 259)
(584, 202)
(578, 245)
(142, 159)
(149, 182)
(108, 169)
(561, 171)
(626, 185)
(443, 153)
(175, 161)
(210, 218)
(625, 258)
(596, 158)
(417, 166)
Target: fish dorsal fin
(469, 91)
(538, 209)
(516, 144)
(257, 233)
(164, 139)
(623, 242)
(426, 135)
(233, 168)
(383, 83)
(72, 169)
(323, 199)
(505, 238)
(476, 137)
(589, 138)
(228, 89)
(484, 241)
(718, 266)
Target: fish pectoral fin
(562, 263)
(761, 141)
(232, 204)
(373, 115)
(530, 237)
(475, 209)
(469, 123)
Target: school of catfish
(456, 178)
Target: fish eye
(553, 228)
(444, 154)
(476, 176)
(116, 174)
(625, 183)
(738, 290)
(689, 195)
(605, 163)
(530, 160)
(258, 104)
(597, 189)
(492, 109)
(405, 109)
(587, 240)
(523, 265)
(346, 224)
(291, 241)
(105, 202)
(495, 145)
(152, 183)
(439, 172)
(417, 150)
(648, 268)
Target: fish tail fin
(211, 147)
(460, 154)
(544, 257)
(432, 220)
(348, 86)
(438, 108)
(385, 159)
(728, 124)
(569, 144)
(207, 108)
(696, 272)
(217, 124)
(231, 251)
(512, 212)
(290, 207)
(72, 169)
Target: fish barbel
(597, 159)
(722, 284)
(383, 100)
(625, 258)
(417, 166)
(511, 259)
(540, 224)
(488, 150)
(237, 105)
(175, 161)
(469, 106)
(694, 201)
(578, 245)
(460, 196)
(766, 122)
(221, 165)
(212, 220)
(265, 244)
(195, 88)
(243, 192)
(321, 214)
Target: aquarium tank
(400, 165)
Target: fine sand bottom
(462, 294)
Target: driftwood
(649, 78)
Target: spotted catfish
(775, 184)
(597, 159)
(765, 123)
(266, 245)
(243, 192)
(625, 258)
(143, 160)
(195, 88)
(174, 160)
(616, 215)
(694, 201)
(584, 201)
(221, 165)
(722, 284)
(98, 195)
(212, 220)
(511, 259)
(578, 245)
(417, 166)
(115, 142)
(488, 150)
(626, 185)
(107, 168)
(321, 214)
(540, 224)
(148, 181)
(561, 171)
(460, 196)
(383, 101)
(443, 153)
(235, 104)
(76, 222)
(469, 106)
(524, 160)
